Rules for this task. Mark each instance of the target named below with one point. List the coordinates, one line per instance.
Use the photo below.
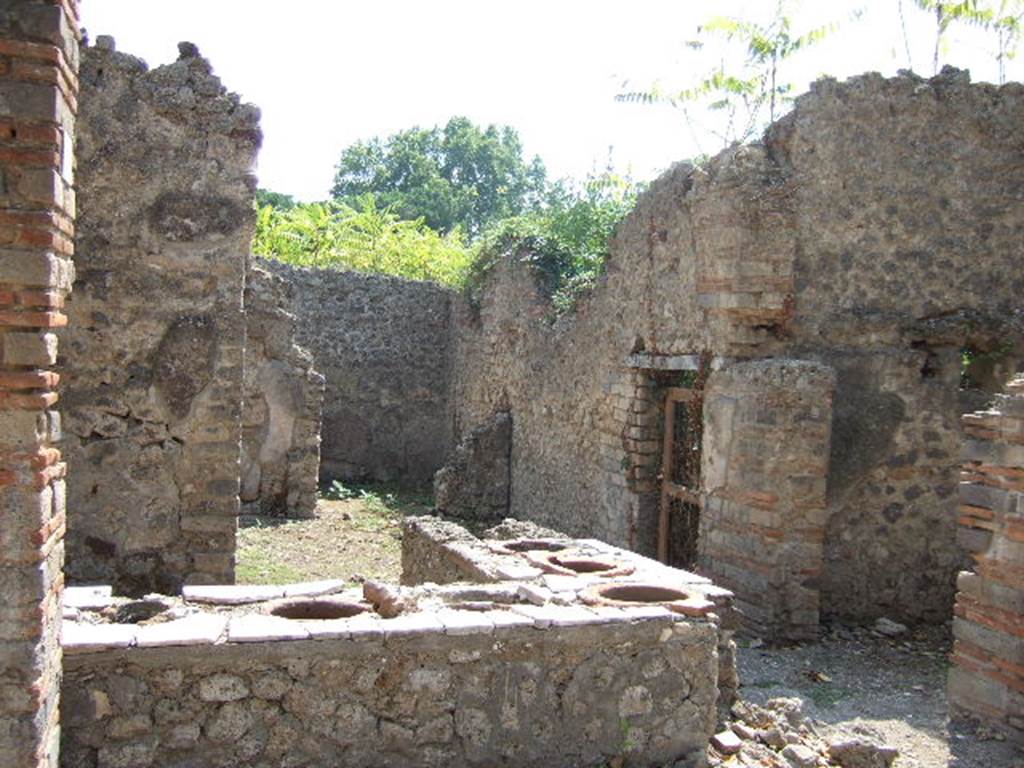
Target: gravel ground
(894, 686)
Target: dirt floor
(853, 678)
(354, 537)
(896, 687)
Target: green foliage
(750, 92)
(1008, 25)
(279, 200)
(566, 240)
(338, 491)
(364, 238)
(459, 176)
(1003, 19)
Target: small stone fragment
(861, 753)
(744, 731)
(774, 737)
(889, 628)
(386, 600)
(800, 756)
(791, 709)
(727, 742)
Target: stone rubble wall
(282, 406)
(766, 440)
(39, 89)
(987, 676)
(475, 483)
(832, 241)
(153, 359)
(550, 685)
(383, 345)
(436, 551)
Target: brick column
(767, 432)
(38, 86)
(987, 676)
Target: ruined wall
(833, 241)
(987, 676)
(153, 358)
(383, 345)
(38, 101)
(475, 483)
(553, 685)
(766, 445)
(910, 218)
(282, 407)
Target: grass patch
(355, 535)
(827, 696)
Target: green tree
(1002, 19)
(947, 14)
(748, 93)
(566, 240)
(456, 176)
(278, 200)
(1008, 23)
(363, 237)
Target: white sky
(327, 73)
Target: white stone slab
(648, 613)
(314, 588)
(534, 593)
(88, 598)
(512, 572)
(465, 622)
(257, 628)
(558, 583)
(575, 616)
(230, 594)
(83, 638)
(540, 615)
(328, 629)
(508, 619)
(197, 629)
(423, 623)
(366, 626)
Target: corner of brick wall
(987, 677)
(38, 103)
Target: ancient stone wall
(383, 345)
(525, 685)
(153, 359)
(836, 240)
(282, 407)
(38, 101)
(475, 483)
(987, 676)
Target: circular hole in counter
(641, 593)
(533, 545)
(317, 609)
(582, 564)
(138, 611)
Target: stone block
(200, 629)
(87, 638)
(35, 349)
(257, 628)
